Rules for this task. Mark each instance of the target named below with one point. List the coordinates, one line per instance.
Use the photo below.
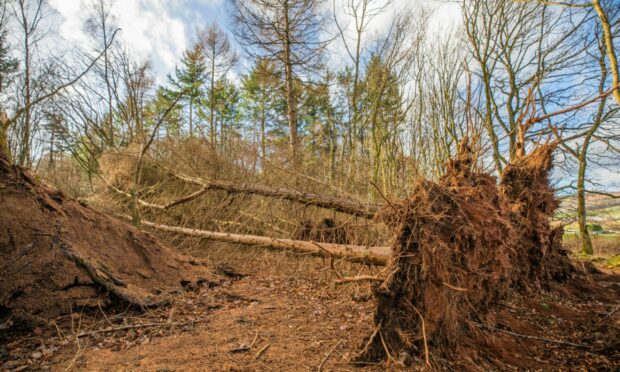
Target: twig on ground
(131, 326)
(387, 351)
(254, 341)
(455, 288)
(327, 355)
(360, 278)
(532, 337)
(262, 350)
(372, 337)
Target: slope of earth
(57, 256)
(283, 312)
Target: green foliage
(613, 262)
(163, 100)
(190, 79)
(595, 227)
(261, 98)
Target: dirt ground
(283, 312)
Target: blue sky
(160, 30)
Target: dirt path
(293, 322)
(288, 307)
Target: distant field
(602, 210)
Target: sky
(160, 30)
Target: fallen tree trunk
(371, 255)
(344, 205)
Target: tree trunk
(107, 81)
(369, 255)
(24, 153)
(191, 112)
(212, 99)
(262, 132)
(337, 204)
(609, 44)
(5, 150)
(586, 242)
(291, 108)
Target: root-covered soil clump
(58, 256)
(462, 245)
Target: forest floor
(279, 311)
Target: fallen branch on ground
(361, 278)
(344, 205)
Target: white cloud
(443, 15)
(149, 28)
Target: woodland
(316, 185)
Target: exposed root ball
(57, 256)
(462, 244)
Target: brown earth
(57, 255)
(291, 303)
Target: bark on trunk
(371, 255)
(291, 108)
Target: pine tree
(161, 102)
(189, 80)
(260, 97)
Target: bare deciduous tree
(288, 32)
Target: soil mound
(58, 256)
(461, 245)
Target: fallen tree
(463, 244)
(353, 253)
(338, 204)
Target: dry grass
(606, 246)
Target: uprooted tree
(461, 244)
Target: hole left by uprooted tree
(57, 256)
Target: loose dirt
(57, 256)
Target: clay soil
(278, 311)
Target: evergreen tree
(261, 89)
(160, 103)
(189, 80)
(227, 106)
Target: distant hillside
(594, 202)
(602, 210)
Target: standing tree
(8, 68)
(260, 96)
(28, 14)
(362, 13)
(101, 25)
(190, 78)
(220, 58)
(285, 31)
